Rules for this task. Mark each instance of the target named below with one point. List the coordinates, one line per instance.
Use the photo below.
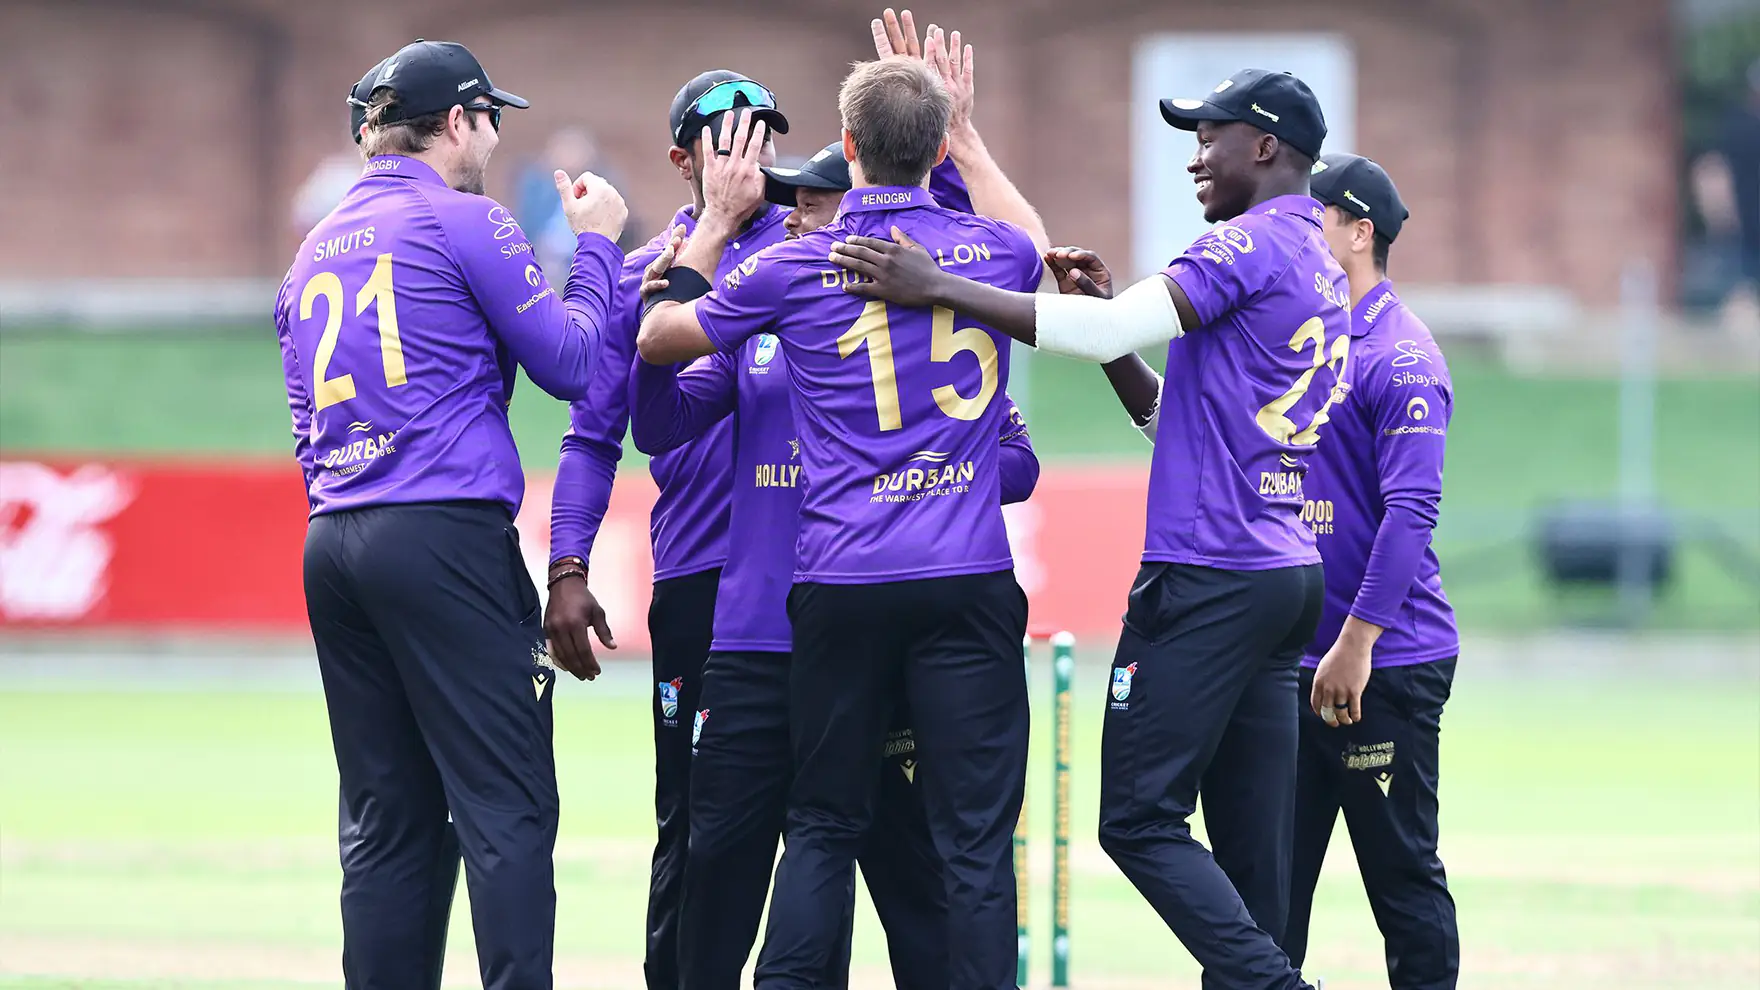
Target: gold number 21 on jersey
(1271, 417)
(873, 329)
(378, 291)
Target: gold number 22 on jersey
(378, 290)
(1271, 417)
(874, 329)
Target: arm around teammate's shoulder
(1091, 329)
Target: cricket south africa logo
(766, 349)
(669, 699)
(1121, 686)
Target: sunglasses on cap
(720, 98)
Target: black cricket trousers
(952, 645)
(1202, 702)
(1383, 772)
(681, 618)
(427, 624)
(740, 777)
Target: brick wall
(1534, 139)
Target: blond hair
(896, 111)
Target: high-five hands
(896, 34)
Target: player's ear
(681, 160)
(941, 152)
(1362, 236)
(849, 146)
(1267, 147)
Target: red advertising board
(192, 547)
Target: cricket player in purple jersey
(1203, 695)
(741, 764)
(689, 521)
(1380, 667)
(903, 566)
(401, 323)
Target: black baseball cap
(731, 91)
(826, 170)
(435, 76)
(1361, 188)
(1275, 102)
(359, 97)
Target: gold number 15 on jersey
(378, 291)
(873, 329)
(1271, 417)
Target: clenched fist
(591, 205)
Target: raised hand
(733, 186)
(953, 61)
(895, 34)
(898, 271)
(1079, 271)
(591, 205)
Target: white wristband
(1101, 330)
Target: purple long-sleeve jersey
(671, 405)
(1375, 487)
(1248, 392)
(401, 322)
(689, 522)
(896, 407)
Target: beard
(470, 179)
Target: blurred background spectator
(574, 150)
(328, 182)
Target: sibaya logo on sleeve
(1409, 354)
(505, 225)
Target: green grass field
(1517, 444)
(1599, 835)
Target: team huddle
(816, 360)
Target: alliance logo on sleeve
(1121, 687)
(669, 700)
